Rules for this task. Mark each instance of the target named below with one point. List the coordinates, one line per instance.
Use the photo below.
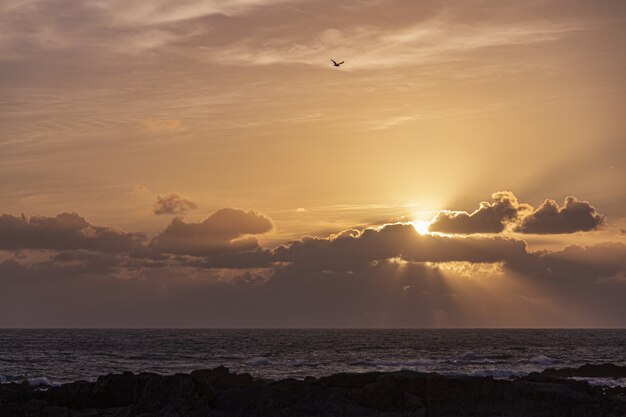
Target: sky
(201, 163)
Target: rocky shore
(218, 392)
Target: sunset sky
(201, 163)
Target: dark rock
(218, 392)
(345, 380)
(221, 378)
(605, 370)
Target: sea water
(53, 356)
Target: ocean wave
(543, 360)
(603, 382)
(297, 362)
(539, 360)
(499, 373)
(388, 363)
(263, 361)
(40, 380)
(471, 358)
(34, 381)
(260, 361)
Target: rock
(345, 380)
(605, 370)
(221, 378)
(218, 392)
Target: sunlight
(421, 226)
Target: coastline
(219, 392)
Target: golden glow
(469, 269)
(421, 226)
(387, 156)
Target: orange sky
(109, 105)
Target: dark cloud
(350, 251)
(490, 217)
(574, 216)
(574, 265)
(505, 210)
(578, 286)
(212, 274)
(173, 204)
(221, 235)
(606, 259)
(588, 282)
(10, 267)
(66, 231)
(226, 230)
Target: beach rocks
(218, 392)
(605, 370)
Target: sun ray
(421, 226)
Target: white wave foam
(395, 364)
(263, 361)
(471, 357)
(498, 373)
(40, 380)
(295, 362)
(542, 360)
(3, 379)
(603, 382)
(260, 361)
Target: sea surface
(58, 356)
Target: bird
(336, 64)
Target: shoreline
(219, 392)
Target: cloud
(213, 274)
(354, 250)
(110, 26)
(173, 204)
(437, 39)
(574, 216)
(490, 217)
(135, 12)
(587, 281)
(217, 238)
(574, 265)
(156, 125)
(578, 286)
(507, 212)
(66, 231)
(226, 230)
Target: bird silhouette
(336, 64)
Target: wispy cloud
(393, 121)
(431, 41)
(109, 25)
(156, 125)
(167, 11)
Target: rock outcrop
(604, 370)
(218, 392)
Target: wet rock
(605, 370)
(218, 392)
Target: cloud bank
(215, 273)
(505, 211)
(66, 231)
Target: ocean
(56, 356)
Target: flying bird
(336, 64)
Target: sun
(421, 226)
